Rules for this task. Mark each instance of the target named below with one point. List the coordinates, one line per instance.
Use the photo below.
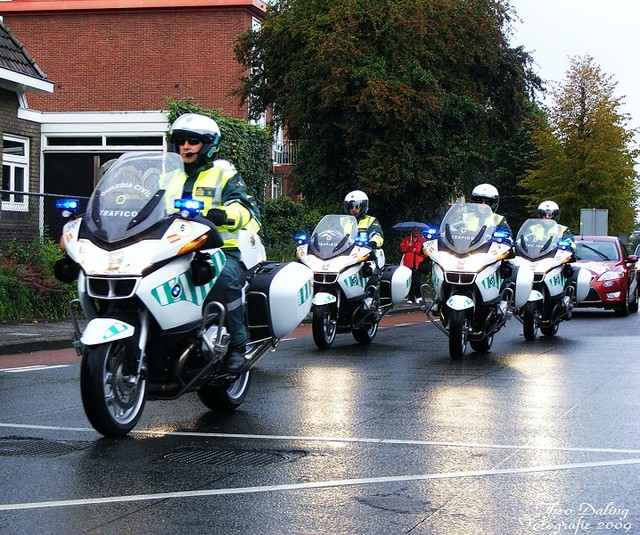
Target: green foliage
(585, 151)
(28, 289)
(245, 146)
(408, 100)
(283, 219)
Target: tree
(404, 99)
(585, 152)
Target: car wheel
(623, 309)
(633, 303)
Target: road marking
(311, 485)
(356, 440)
(35, 367)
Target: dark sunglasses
(192, 140)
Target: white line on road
(361, 440)
(311, 485)
(33, 368)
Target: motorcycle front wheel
(323, 325)
(365, 335)
(458, 331)
(113, 393)
(225, 398)
(551, 330)
(530, 317)
(482, 346)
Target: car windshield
(596, 250)
(132, 196)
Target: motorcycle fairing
(352, 282)
(171, 296)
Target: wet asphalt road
(391, 438)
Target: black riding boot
(234, 360)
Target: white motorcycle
(541, 251)
(146, 265)
(342, 264)
(473, 300)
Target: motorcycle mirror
(202, 271)
(66, 270)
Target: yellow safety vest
(208, 188)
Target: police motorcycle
(342, 263)
(472, 300)
(540, 250)
(146, 264)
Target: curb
(58, 335)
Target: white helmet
(199, 126)
(549, 208)
(356, 199)
(486, 193)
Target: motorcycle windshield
(135, 194)
(537, 238)
(467, 227)
(333, 236)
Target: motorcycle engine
(211, 350)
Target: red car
(614, 285)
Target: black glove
(217, 217)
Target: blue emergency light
(188, 207)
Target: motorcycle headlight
(611, 275)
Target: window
(15, 173)
(276, 187)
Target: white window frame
(13, 162)
(276, 187)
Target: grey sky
(554, 30)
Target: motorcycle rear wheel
(458, 330)
(365, 335)
(323, 325)
(113, 394)
(530, 317)
(226, 398)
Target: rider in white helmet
(227, 205)
(488, 194)
(551, 211)
(356, 203)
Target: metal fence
(40, 218)
(284, 153)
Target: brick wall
(20, 225)
(134, 60)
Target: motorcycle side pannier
(278, 299)
(395, 282)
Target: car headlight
(611, 275)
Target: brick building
(20, 137)
(114, 64)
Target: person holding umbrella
(411, 247)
